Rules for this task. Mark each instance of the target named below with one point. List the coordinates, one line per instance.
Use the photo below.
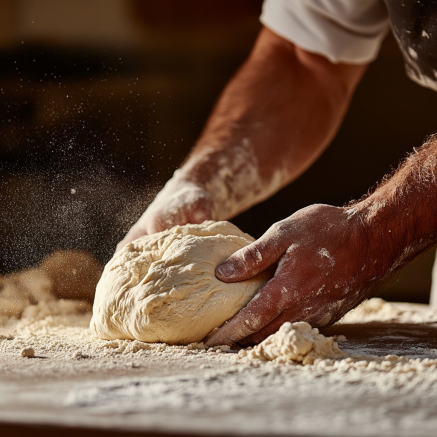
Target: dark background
(111, 120)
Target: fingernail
(226, 270)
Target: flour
(69, 274)
(236, 184)
(18, 291)
(78, 378)
(377, 309)
(28, 352)
(294, 342)
(60, 329)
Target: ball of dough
(162, 287)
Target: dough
(162, 287)
(294, 342)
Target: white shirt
(348, 31)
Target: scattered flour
(61, 329)
(297, 369)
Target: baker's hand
(180, 202)
(323, 270)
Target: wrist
(220, 182)
(180, 182)
(394, 233)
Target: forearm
(272, 122)
(400, 217)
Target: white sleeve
(349, 31)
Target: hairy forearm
(400, 216)
(272, 122)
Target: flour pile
(294, 342)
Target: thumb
(256, 257)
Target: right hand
(178, 203)
(326, 264)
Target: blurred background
(100, 101)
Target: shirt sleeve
(347, 31)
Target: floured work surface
(78, 380)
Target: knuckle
(252, 254)
(252, 324)
(291, 249)
(279, 235)
(276, 228)
(282, 226)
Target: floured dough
(162, 287)
(294, 342)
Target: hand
(323, 271)
(180, 202)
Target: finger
(268, 330)
(259, 312)
(256, 257)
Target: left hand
(324, 268)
